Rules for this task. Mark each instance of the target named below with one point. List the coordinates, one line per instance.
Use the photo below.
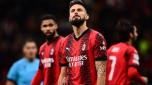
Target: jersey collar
(80, 35)
(54, 39)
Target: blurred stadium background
(20, 19)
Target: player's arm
(38, 76)
(101, 72)
(61, 80)
(12, 75)
(63, 63)
(9, 82)
(133, 62)
(100, 59)
(135, 75)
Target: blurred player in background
(84, 51)
(49, 68)
(123, 59)
(23, 71)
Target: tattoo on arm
(101, 68)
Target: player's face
(48, 27)
(135, 33)
(78, 12)
(30, 50)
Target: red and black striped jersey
(49, 68)
(80, 54)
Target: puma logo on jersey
(42, 53)
(68, 49)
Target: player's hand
(145, 79)
(64, 81)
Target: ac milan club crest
(52, 51)
(84, 47)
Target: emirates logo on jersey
(84, 47)
(76, 61)
(47, 62)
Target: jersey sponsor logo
(47, 62)
(76, 61)
(115, 49)
(136, 59)
(102, 48)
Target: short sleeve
(100, 48)
(62, 52)
(12, 74)
(133, 57)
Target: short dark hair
(124, 27)
(48, 16)
(27, 40)
(80, 2)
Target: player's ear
(131, 35)
(23, 49)
(56, 26)
(87, 16)
(41, 28)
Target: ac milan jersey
(120, 57)
(49, 68)
(80, 54)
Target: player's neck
(79, 30)
(129, 42)
(54, 37)
(30, 59)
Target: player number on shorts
(113, 59)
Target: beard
(77, 22)
(50, 37)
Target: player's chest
(48, 56)
(78, 53)
(75, 48)
(48, 52)
(27, 69)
